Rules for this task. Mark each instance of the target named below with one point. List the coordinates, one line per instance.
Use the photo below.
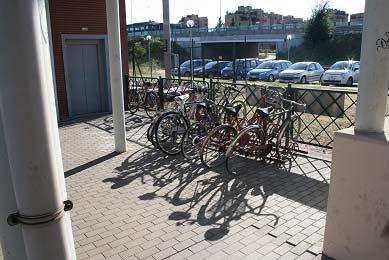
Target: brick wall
(69, 17)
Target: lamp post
(288, 39)
(190, 24)
(148, 38)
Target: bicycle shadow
(215, 200)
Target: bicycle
(196, 133)
(142, 95)
(169, 127)
(214, 147)
(277, 131)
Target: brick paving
(145, 205)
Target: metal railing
(329, 109)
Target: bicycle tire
(286, 141)
(250, 142)
(192, 140)
(173, 129)
(151, 104)
(133, 102)
(213, 141)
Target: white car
(302, 72)
(342, 73)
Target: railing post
(160, 93)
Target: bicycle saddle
(265, 112)
(233, 110)
(182, 99)
(170, 97)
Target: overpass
(246, 40)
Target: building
(246, 15)
(80, 55)
(356, 19)
(199, 22)
(338, 17)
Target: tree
(318, 30)
(139, 53)
(220, 23)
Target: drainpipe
(11, 238)
(374, 77)
(28, 116)
(116, 75)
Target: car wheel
(271, 78)
(187, 74)
(210, 75)
(303, 80)
(239, 77)
(350, 82)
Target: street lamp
(288, 39)
(190, 24)
(148, 38)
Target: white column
(27, 111)
(116, 75)
(166, 38)
(11, 238)
(374, 76)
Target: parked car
(302, 72)
(242, 67)
(268, 70)
(342, 73)
(185, 67)
(212, 69)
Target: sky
(145, 10)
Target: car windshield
(299, 66)
(210, 64)
(266, 65)
(342, 65)
(186, 64)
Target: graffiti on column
(382, 43)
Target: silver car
(302, 72)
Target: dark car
(242, 67)
(268, 70)
(185, 67)
(212, 69)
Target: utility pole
(166, 38)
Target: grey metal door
(85, 84)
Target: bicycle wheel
(133, 101)
(192, 140)
(250, 143)
(286, 144)
(151, 104)
(214, 147)
(150, 135)
(169, 131)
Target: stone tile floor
(145, 205)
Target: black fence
(327, 109)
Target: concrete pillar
(27, 109)
(357, 222)
(166, 38)
(11, 238)
(116, 75)
(374, 77)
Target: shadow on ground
(212, 198)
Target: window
(253, 64)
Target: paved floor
(145, 205)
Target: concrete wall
(357, 225)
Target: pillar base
(357, 224)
